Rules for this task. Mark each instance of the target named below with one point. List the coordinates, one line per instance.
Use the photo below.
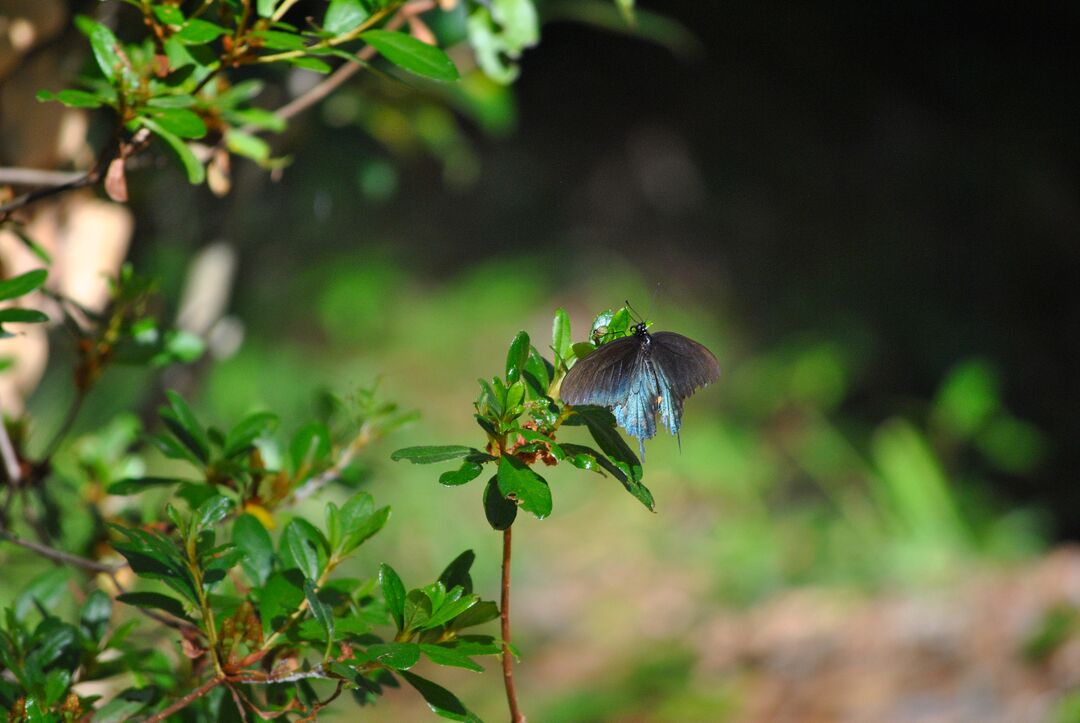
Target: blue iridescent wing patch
(636, 413)
(640, 376)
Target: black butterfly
(640, 375)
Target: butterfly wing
(681, 366)
(603, 377)
(636, 411)
(686, 364)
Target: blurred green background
(867, 211)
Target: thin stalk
(187, 700)
(516, 716)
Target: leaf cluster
(521, 416)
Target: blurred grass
(782, 479)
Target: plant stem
(187, 699)
(65, 426)
(11, 460)
(516, 715)
(59, 555)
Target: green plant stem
(516, 715)
(333, 42)
(282, 9)
(207, 615)
(65, 425)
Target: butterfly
(639, 376)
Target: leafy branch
(521, 417)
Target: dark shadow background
(905, 176)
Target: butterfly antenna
(633, 311)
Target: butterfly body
(641, 376)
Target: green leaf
(156, 601)
(280, 597)
(247, 145)
(256, 117)
(199, 32)
(265, 8)
(499, 31)
(601, 426)
(196, 173)
(135, 485)
(412, 55)
(399, 656)
(249, 535)
(240, 438)
(582, 349)
(467, 472)
(44, 590)
(169, 14)
(500, 511)
(120, 709)
(430, 455)
(72, 98)
(360, 520)
(52, 639)
(22, 316)
(588, 458)
(180, 420)
(516, 357)
(456, 573)
(528, 488)
(968, 399)
(560, 335)
(450, 610)
(211, 512)
(537, 372)
(483, 612)
(393, 591)
(320, 611)
(57, 681)
(344, 15)
(303, 546)
(308, 63)
(242, 92)
(178, 121)
(180, 100)
(103, 43)
(95, 615)
(439, 699)
(22, 284)
(310, 447)
(442, 655)
(277, 40)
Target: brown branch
(38, 177)
(363, 438)
(61, 556)
(86, 179)
(316, 673)
(333, 81)
(516, 715)
(238, 701)
(187, 700)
